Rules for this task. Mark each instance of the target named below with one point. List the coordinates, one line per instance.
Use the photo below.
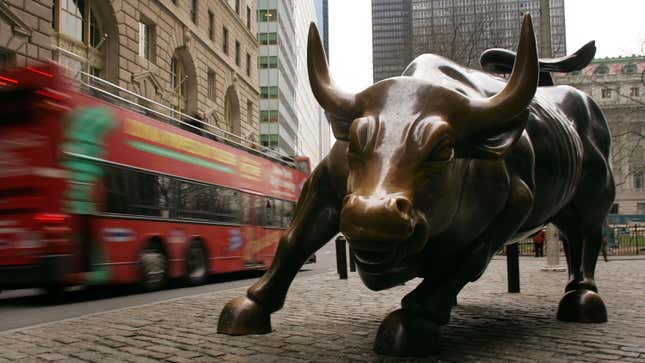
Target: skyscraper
(291, 121)
(459, 29)
(277, 71)
(391, 37)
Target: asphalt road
(21, 308)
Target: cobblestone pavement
(331, 320)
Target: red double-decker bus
(93, 193)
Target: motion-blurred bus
(100, 185)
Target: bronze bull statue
(432, 173)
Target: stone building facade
(618, 86)
(197, 56)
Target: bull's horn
(495, 112)
(336, 102)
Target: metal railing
(623, 240)
(619, 240)
(100, 88)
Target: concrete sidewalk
(331, 320)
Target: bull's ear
(495, 145)
(339, 126)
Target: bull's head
(404, 137)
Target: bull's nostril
(403, 205)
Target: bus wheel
(196, 264)
(153, 267)
(55, 292)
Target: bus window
(226, 205)
(260, 210)
(287, 213)
(276, 215)
(194, 200)
(246, 210)
(117, 190)
(134, 192)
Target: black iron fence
(625, 240)
(620, 240)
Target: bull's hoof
(582, 306)
(405, 334)
(242, 316)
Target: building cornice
(17, 25)
(613, 60)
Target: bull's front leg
(413, 330)
(315, 222)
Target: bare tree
(461, 35)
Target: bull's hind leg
(314, 223)
(581, 222)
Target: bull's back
(565, 131)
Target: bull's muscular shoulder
(441, 71)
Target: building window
(211, 25)
(74, 15)
(269, 116)
(601, 69)
(267, 38)
(634, 92)
(249, 113)
(193, 11)
(629, 68)
(55, 11)
(639, 180)
(225, 40)
(237, 7)
(78, 33)
(146, 40)
(267, 15)
(248, 18)
(237, 52)
(173, 73)
(178, 84)
(269, 92)
(211, 84)
(606, 93)
(248, 64)
(7, 59)
(269, 140)
(268, 62)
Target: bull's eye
(443, 151)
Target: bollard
(352, 262)
(341, 258)
(513, 267)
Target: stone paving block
(52, 356)
(328, 320)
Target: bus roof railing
(88, 81)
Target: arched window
(232, 110)
(601, 69)
(178, 84)
(80, 36)
(629, 68)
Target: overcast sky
(618, 26)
